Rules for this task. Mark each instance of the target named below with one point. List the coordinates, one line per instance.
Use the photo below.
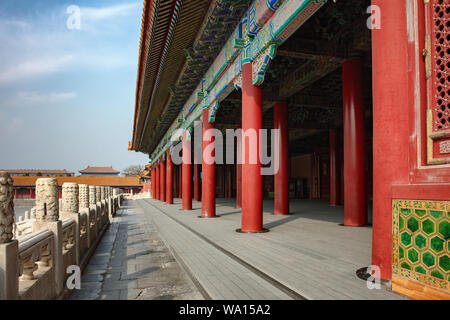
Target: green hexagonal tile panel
(401, 223)
(436, 214)
(444, 229)
(437, 274)
(401, 253)
(405, 265)
(406, 238)
(444, 263)
(420, 241)
(428, 259)
(413, 255)
(428, 226)
(437, 244)
(413, 224)
(420, 269)
(420, 213)
(405, 211)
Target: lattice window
(437, 45)
(441, 63)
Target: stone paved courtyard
(133, 262)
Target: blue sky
(67, 95)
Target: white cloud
(93, 14)
(36, 97)
(34, 68)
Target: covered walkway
(306, 255)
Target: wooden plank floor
(219, 275)
(306, 252)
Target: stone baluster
(104, 204)
(47, 218)
(83, 197)
(98, 192)
(92, 213)
(98, 195)
(84, 208)
(70, 209)
(109, 202)
(9, 248)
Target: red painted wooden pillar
(180, 179)
(251, 173)
(162, 182)
(197, 188)
(208, 172)
(334, 170)
(158, 176)
(281, 179)
(169, 178)
(229, 181)
(153, 183)
(392, 107)
(187, 175)
(355, 201)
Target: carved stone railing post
(98, 195)
(116, 199)
(70, 209)
(109, 202)
(47, 218)
(9, 248)
(93, 212)
(104, 204)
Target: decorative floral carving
(70, 197)
(83, 196)
(6, 207)
(47, 206)
(98, 192)
(102, 193)
(92, 196)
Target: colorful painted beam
(269, 24)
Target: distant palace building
(99, 171)
(39, 172)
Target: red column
(169, 179)
(162, 181)
(391, 119)
(251, 173)
(208, 173)
(355, 201)
(281, 179)
(229, 182)
(187, 176)
(180, 179)
(158, 176)
(153, 183)
(334, 169)
(197, 189)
